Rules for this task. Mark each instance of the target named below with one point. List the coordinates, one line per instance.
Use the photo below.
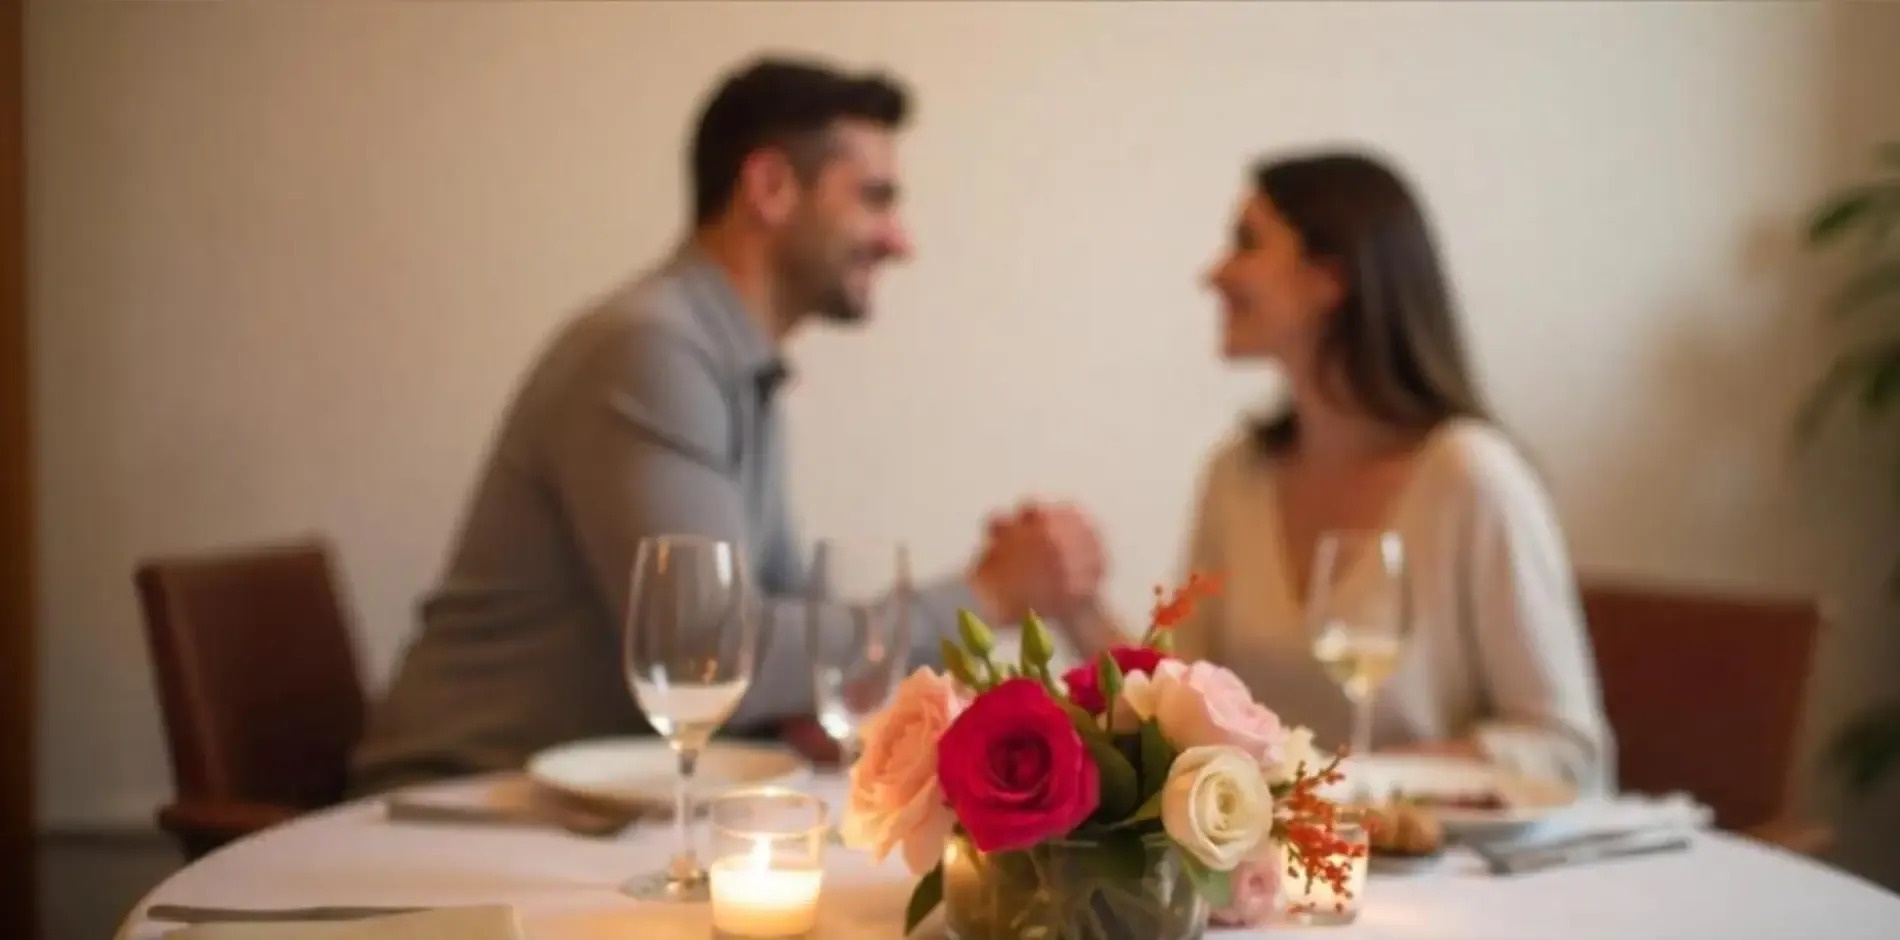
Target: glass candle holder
(1318, 902)
(767, 848)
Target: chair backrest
(1703, 692)
(256, 673)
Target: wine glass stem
(686, 861)
(848, 750)
(1362, 723)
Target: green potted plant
(1864, 218)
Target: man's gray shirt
(650, 414)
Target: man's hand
(1044, 557)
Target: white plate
(639, 772)
(1528, 801)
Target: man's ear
(768, 185)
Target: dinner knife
(200, 914)
(1527, 859)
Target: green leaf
(1868, 289)
(923, 899)
(1847, 373)
(1150, 809)
(1839, 214)
(1085, 724)
(1162, 641)
(1868, 747)
(1878, 390)
(1216, 887)
(1117, 858)
(1109, 677)
(976, 634)
(1157, 758)
(1121, 790)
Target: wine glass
(1358, 615)
(690, 641)
(858, 609)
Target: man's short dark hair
(781, 102)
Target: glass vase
(1132, 888)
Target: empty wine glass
(1358, 616)
(858, 630)
(690, 643)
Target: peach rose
(1256, 892)
(895, 800)
(1200, 704)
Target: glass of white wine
(689, 647)
(1358, 616)
(858, 632)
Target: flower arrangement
(1122, 798)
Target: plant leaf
(1880, 385)
(1847, 372)
(1083, 721)
(923, 899)
(1108, 672)
(1121, 790)
(1216, 887)
(1117, 858)
(1839, 214)
(1150, 808)
(1868, 289)
(1868, 747)
(1157, 758)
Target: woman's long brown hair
(1394, 341)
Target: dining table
(565, 886)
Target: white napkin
(483, 922)
(1625, 812)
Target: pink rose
(1202, 704)
(1256, 890)
(895, 799)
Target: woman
(1333, 276)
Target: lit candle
(1317, 902)
(751, 898)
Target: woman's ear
(1327, 282)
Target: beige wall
(290, 258)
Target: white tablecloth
(565, 887)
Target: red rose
(1084, 682)
(1014, 768)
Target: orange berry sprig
(1171, 609)
(1309, 827)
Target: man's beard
(835, 304)
(821, 289)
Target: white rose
(1216, 805)
(1297, 750)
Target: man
(655, 413)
